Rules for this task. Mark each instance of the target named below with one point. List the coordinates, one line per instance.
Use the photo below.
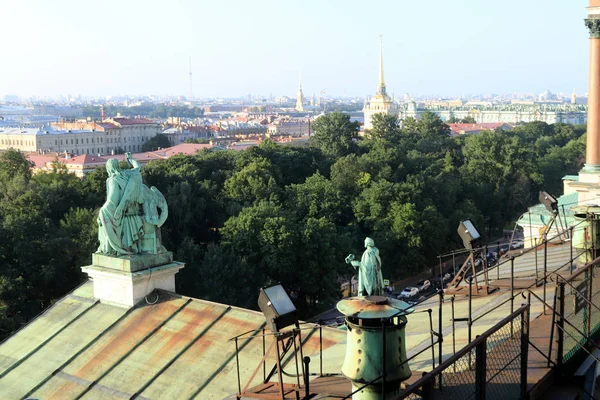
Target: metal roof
(538, 215)
(177, 348)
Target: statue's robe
(370, 279)
(120, 232)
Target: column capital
(593, 24)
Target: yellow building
(106, 137)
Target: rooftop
(167, 347)
(133, 121)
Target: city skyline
(436, 49)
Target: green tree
(255, 182)
(335, 134)
(12, 163)
(385, 127)
(318, 198)
(159, 141)
(291, 251)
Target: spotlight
(277, 307)
(549, 202)
(468, 233)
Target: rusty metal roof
(175, 349)
(373, 307)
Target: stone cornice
(593, 25)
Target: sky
(240, 47)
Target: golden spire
(381, 86)
(300, 96)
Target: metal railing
(493, 366)
(309, 329)
(576, 321)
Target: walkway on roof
(486, 310)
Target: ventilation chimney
(375, 326)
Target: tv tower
(191, 90)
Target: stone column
(593, 124)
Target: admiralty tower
(381, 102)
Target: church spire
(300, 96)
(381, 86)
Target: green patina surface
(540, 216)
(129, 221)
(177, 348)
(571, 178)
(131, 263)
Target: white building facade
(107, 137)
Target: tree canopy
(273, 213)
(159, 141)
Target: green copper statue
(370, 279)
(129, 221)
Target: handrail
(526, 251)
(577, 291)
(506, 260)
(462, 352)
(565, 320)
(317, 324)
(585, 267)
(395, 368)
(459, 251)
(579, 344)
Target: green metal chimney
(375, 349)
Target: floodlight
(549, 202)
(468, 233)
(277, 307)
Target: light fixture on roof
(551, 205)
(469, 234)
(471, 240)
(549, 202)
(277, 307)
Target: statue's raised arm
(132, 161)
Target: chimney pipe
(375, 345)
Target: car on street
(517, 244)
(409, 293)
(478, 262)
(492, 257)
(423, 285)
(447, 277)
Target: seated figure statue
(129, 221)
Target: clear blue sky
(434, 47)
